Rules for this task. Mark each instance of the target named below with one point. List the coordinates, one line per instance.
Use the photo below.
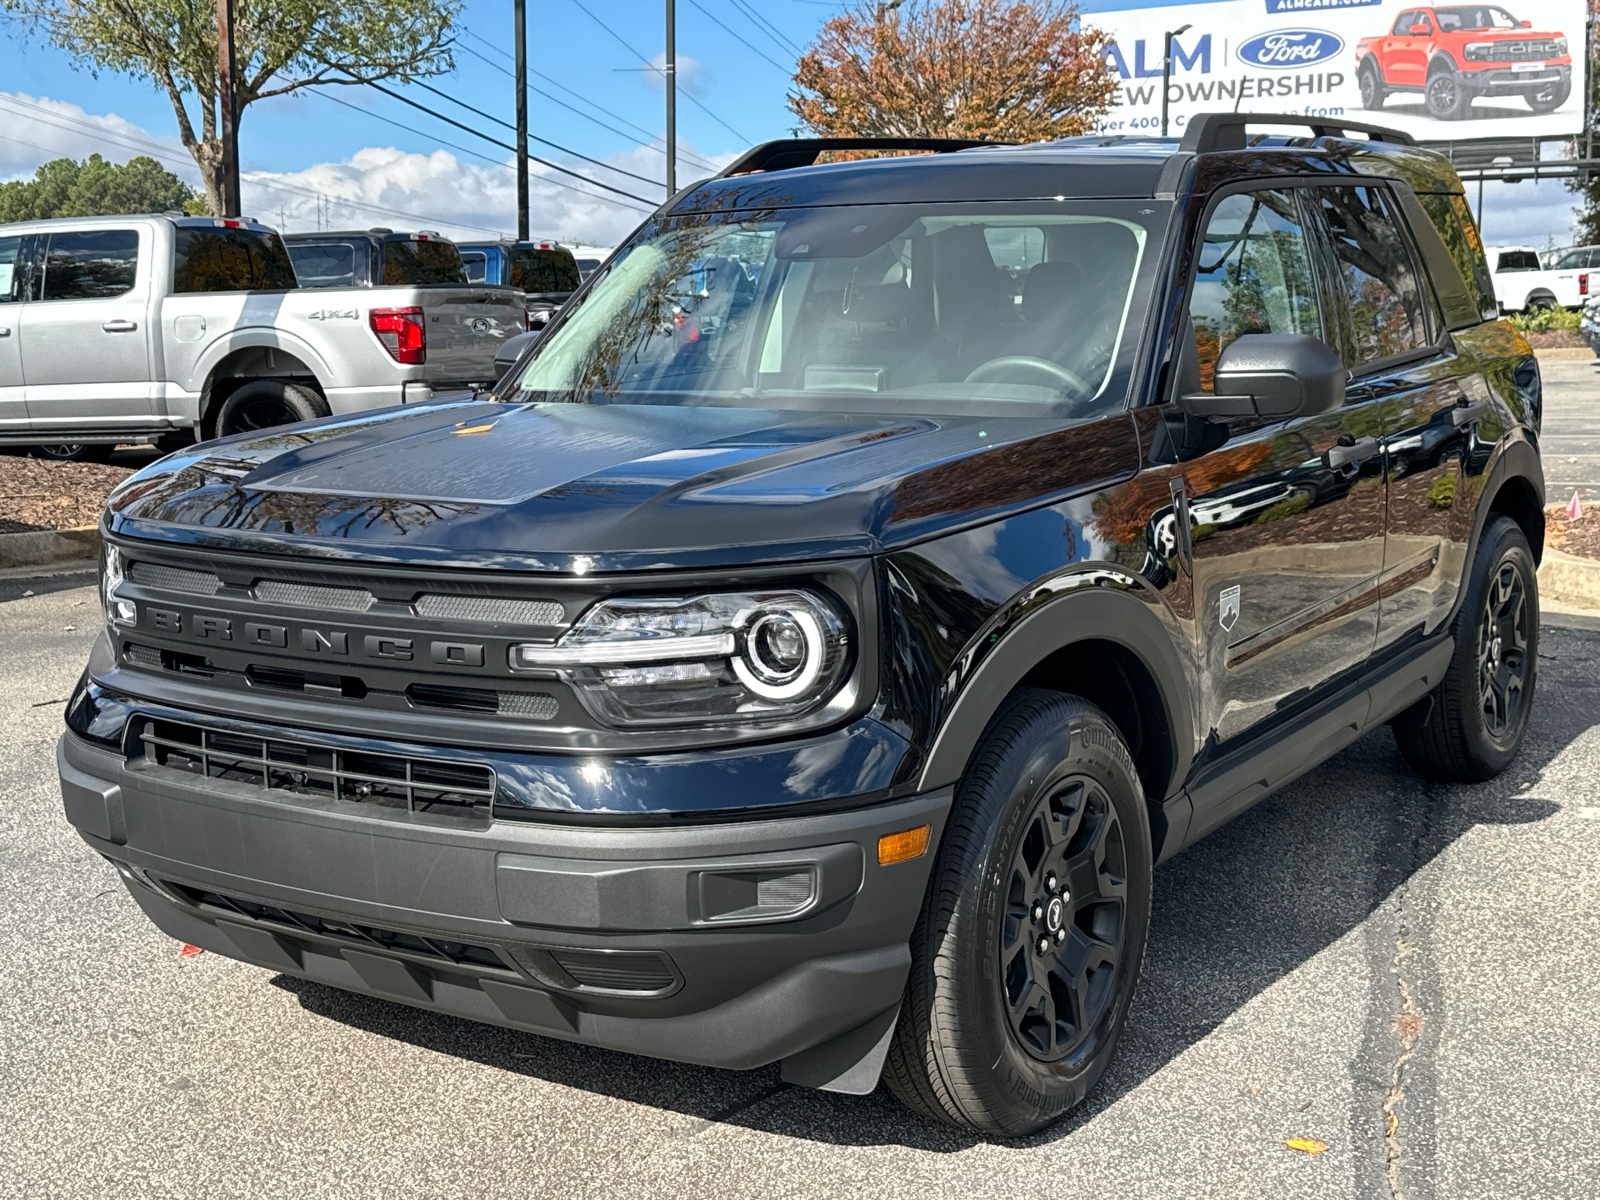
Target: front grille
(617, 970)
(354, 933)
(489, 608)
(395, 781)
(307, 595)
(175, 579)
(1529, 48)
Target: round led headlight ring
(783, 651)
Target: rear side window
(1386, 309)
(422, 263)
(544, 270)
(329, 264)
(477, 265)
(90, 266)
(1451, 217)
(10, 269)
(1254, 276)
(230, 260)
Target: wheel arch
(1514, 488)
(1106, 644)
(239, 360)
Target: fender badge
(1228, 608)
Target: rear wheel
(1027, 952)
(1373, 92)
(264, 403)
(1475, 720)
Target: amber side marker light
(903, 846)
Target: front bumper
(658, 941)
(1505, 80)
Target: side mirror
(1419, 31)
(1527, 24)
(1274, 375)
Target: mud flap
(849, 1063)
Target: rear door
(13, 272)
(86, 338)
(1287, 516)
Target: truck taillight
(402, 333)
(1583, 285)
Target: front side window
(10, 269)
(874, 308)
(1386, 308)
(230, 260)
(1404, 22)
(422, 263)
(90, 266)
(1254, 275)
(329, 264)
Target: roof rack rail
(785, 153)
(1226, 131)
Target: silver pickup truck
(135, 328)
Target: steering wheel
(1054, 371)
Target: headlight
(723, 658)
(112, 574)
(1561, 47)
(1479, 51)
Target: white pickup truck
(1525, 279)
(137, 328)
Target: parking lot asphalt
(1570, 437)
(1403, 971)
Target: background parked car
(1522, 280)
(546, 272)
(135, 328)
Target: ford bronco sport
(808, 651)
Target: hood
(573, 487)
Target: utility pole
(522, 119)
(1166, 71)
(672, 101)
(230, 117)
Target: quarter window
(1254, 275)
(1386, 310)
(90, 265)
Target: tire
(1541, 301)
(266, 403)
(1550, 98)
(1373, 93)
(1051, 787)
(1446, 97)
(96, 452)
(1476, 718)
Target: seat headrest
(1048, 288)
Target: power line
(438, 116)
(542, 141)
(766, 27)
(584, 8)
(723, 25)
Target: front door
(86, 338)
(13, 409)
(1287, 516)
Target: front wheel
(1027, 952)
(1472, 725)
(1446, 98)
(95, 452)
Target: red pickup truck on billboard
(1453, 55)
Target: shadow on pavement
(1233, 914)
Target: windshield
(883, 308)
(1475, 17)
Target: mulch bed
(1556, 339)
(1573, 537)
(35, 494)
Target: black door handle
(1466, 414)
(1356, 451)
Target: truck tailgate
(465, 326)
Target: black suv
(808, 651)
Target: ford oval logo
(1287, 49)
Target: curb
(38, 547)
(1569, 579)
(1563, 352)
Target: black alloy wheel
(1471, 726)
(1026, 955)
(266, 403)
(1372, 89)
(1062, 936)
(1445, 98)
(73, 452)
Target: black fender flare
(1091, 607)
(1514, 458)
(1443, 57)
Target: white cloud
(38, 129)
(1530, 213)
(692, 74)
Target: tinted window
(1254, 275)
(230, 260)
(1403, 23)
(422, 263)
(329, 264)
(544, 270)
(87, 266)
(10, 272)
(1385, 306)
(1510, 260)
(477, 264)
(1572, 259)
(1451, 216)
(587, 267)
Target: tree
(280, 46)
(1010, 70)
(65, 187)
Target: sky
(352, 157)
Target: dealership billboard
(1445, 73)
